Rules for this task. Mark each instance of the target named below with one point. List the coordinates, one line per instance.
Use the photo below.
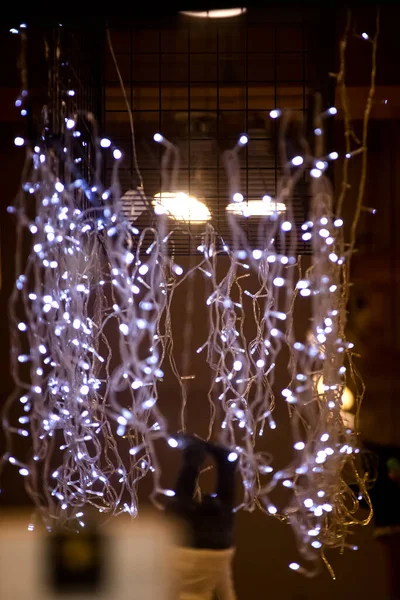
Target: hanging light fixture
(220, 13)
(256, 208)
(181, 206)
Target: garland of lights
(91, 410)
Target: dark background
(202, 84)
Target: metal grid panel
(202, 83)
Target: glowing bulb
(279, 281)
(308, 503)
(84, 389)
(42, 349)
(24, 472)
(124, 329)
(237, 365)
(333, 155)
(272, 509)
(315, 173)
(22, 326)
(76, 324)
(332, 110)
(286, 226)
(173, 443)
(19, 141)
(316, 544)
(274, 114)
(297, 161)
(157, 137)
(365, 36)
(177, 269)
(143, 269)
(299, 446)
(70, 123)
(324, 437)
(105, 143)
(238, 197)
(257, 254)
(243, 140)
(59, 186)
(320, 165)
(260, 363)
(232, 456)
(117, 154)
(294, 566)
(338, 222)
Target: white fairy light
(286, 226)
(297, 161)
(274, 114)
(19, 141)
(279, 281)
(299, 446)
(68, 394)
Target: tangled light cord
(89, 403)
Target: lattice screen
(201, 83)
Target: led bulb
(19, 141)
(297, 161)
(243, 140)
(105, 143)
(117, 154)
(279, 281)
(274, 114)
(157, 137)
(237, 197)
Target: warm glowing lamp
(256, 208)
(347, 396)
(221, 13)
(181, 207)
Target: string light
(75, 393)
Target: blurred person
(204, 566)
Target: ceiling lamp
(180, 206)
(221, 13)
(256, 208)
